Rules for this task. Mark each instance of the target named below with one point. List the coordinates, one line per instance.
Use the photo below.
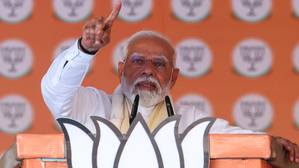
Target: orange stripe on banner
(40, 145)
(239, 163)
(240, 146)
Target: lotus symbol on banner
(186, 52)
(13, 111)
(191, 5)
(73, 6)
(252, 55)
(12, 6)
(13, 56)
(198, 104)
(252, 4)
(132, 5)
(253, 110)
(162, 148)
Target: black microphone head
(167, 100)
(169, 106)
(136, 99)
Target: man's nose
(148, 68)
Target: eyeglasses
(160, 62)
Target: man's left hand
(291, 147)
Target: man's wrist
(89, 51)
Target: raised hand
(96, 32)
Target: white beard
(146, 98)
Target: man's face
(148, 58)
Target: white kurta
(65, 97)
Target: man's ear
(175, 74)
(120, 70)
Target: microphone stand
(134, 109)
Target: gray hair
(149, 33)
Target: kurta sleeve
(62, 90)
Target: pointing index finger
(113, 15)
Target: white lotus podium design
(162, 148)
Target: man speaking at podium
(148, 70)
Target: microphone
(134, 109)
(169, 106)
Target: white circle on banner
(296, 57)
(253, 112)
(16, 114)
(134, 10)
(296, 113)
(198, 101)
(73, 10)
(15, 58)
(14, 11)
(252, 10)
(295, 4)
(252, 58)
(118, 54)
(64, 45)
(191, 10)
(194, 58)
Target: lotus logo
(12, 6)
(13, 111)
(252, 10)
(163, 148)
(253, 112)
(191, 10)
(73, 10)
(198, 101)
(194, 58)
(132, 5)
(14, 11)
(15, 58)
(15, 114)
(134, 10)
(252, 58)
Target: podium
(226, 150)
